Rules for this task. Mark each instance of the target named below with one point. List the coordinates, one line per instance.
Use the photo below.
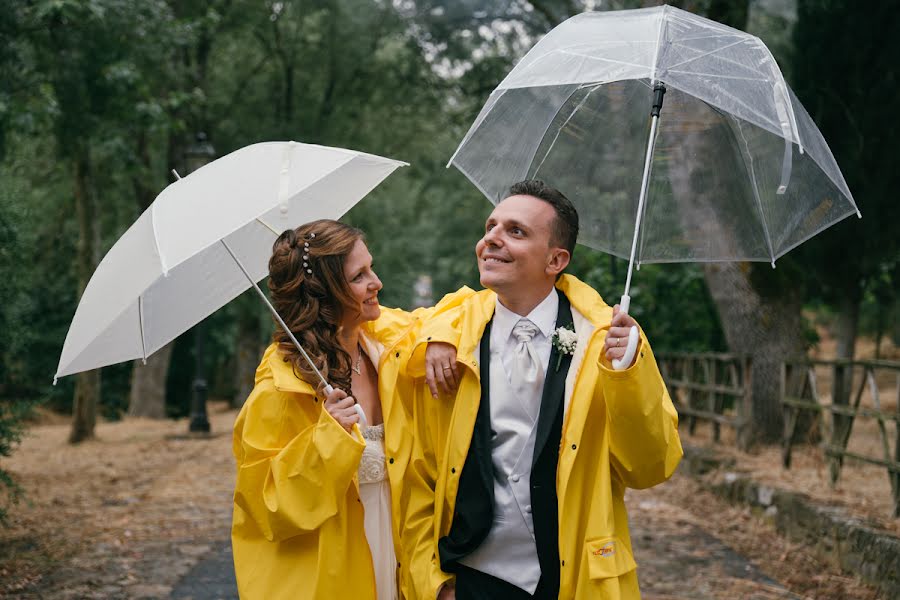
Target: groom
(519, 470)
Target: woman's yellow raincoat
(619, 430)
(297, 529)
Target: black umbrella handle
(659, 90)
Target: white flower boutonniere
(564, 340)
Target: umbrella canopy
(174, 265)
(739, 170)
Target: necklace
(358, 368)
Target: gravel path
(144, 512)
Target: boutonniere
(564, 340)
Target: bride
(317, 499)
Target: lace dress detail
(371, 466)
(375, 493)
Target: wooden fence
(710, 387)
(716, 388)
(836, 412)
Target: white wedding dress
(375, 493)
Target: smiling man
(519, 470)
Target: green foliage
(848, 83)
(12, 415)
(123, 87)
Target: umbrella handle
(363, 421)
(620, 364)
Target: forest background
(101, 99)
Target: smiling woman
(308, 477)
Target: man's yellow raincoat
(619, 430)
(298, 526)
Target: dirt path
(144, 512)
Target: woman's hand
(340, 406)
(441, 373)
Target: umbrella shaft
(277, 317)
(651, 143)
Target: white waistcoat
(509, 552)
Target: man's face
(515, 252)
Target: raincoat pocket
(608, 557)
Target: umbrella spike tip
(144, 360)
(773, 263)
(54, 380)
(858, 214)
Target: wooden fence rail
(837, 413)
(716, 388)
(710, 387)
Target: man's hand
(448, 592)
(441, 370)
(340, 406)
(617, 336)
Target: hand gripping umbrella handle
(620, 364)
(363, 421)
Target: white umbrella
(734, 169)
(206, 239)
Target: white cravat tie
(526, 364)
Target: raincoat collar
(585, 300)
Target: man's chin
(490, 280)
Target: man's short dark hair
(565, 229)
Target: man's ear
(559, 260)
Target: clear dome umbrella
(728, 166)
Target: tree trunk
(84, 412)
(847, 326)
(249, 349)
(148, 385)
(769, 333)
(147, 396)
(87, 385)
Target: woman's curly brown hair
(311, 293)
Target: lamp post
(196, 155)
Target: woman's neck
(349, 339)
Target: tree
(847, 80)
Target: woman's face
(364, 285)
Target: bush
(12, 416)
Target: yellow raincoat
(298, 527)
(619, 430)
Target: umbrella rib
(699, 56)
(787, 97)
(560, 128)
(755, 188)
(705, 37)
(267, 226)
(717, 76)
(162, 261)
(773, 127)
(659, 35)
(609, 60)
(848, 213)
(141, 323)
